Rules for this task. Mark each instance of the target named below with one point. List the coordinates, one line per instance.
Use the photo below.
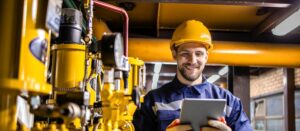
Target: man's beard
(187, 76)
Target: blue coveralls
(161, 106)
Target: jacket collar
(179, 87)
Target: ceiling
(228, 20)
(234, 20)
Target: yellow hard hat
(191, 31)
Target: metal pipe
(224, 52)
(126, 20)
(69, 110)
(90, 14)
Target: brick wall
(267, 82)
(297, 77)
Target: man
(161, 108)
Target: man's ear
(174, 54)
(206, 57)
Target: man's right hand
(219, 125)
(176, 126)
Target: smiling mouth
(191, 67)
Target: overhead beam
(259, 3)
(275, 18)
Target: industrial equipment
(55, 75)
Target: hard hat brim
(180, 42)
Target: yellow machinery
(118, 101)
(90, 85)
(24, 56)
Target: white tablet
(197, 111)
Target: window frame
(264, 117)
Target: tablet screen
(197, 111)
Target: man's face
(191, 59)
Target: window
(268, 113)
(297, 110)
(275, 105)
(275, 125)
(297, 124)
(297, 103)
(259, 125)
(260, 108)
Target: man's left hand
(217, 125)
(214, 125)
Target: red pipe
(126, 19)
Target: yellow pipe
(68, 65)
(106, 95)
(224, 52)
(133, 77)
(229, 53)
(99, 28)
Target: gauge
(112, 50)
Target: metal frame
(289, 98)
(264, 118)
(239, 84)
(275, 19)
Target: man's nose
(193, 58)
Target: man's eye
(184, 54)
(199, 54)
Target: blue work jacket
(162, 105)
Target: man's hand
(214, 125)
(175, 126)
(217, 125)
